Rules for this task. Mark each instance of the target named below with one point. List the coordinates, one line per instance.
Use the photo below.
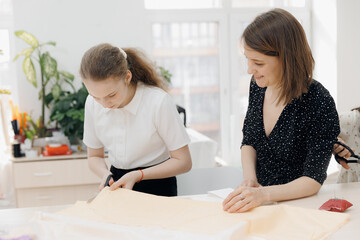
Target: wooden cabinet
(47, 181)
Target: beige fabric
(130, 208)
(350, 133)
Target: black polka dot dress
(301, 141)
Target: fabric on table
(58, 227)
(277, 222)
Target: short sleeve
(90, 138)
(248, 137)
(322, 135)
(348, 125)
(170, 126)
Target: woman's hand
(342, 152)
(244, 198)
(127, 181)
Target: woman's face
(267, 70)
(111, 92)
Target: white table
(203, 149)
(348, 191)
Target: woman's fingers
(344, 153)
(245, 199)
(338, 149)
(234, 197)
(238, 205)
(234, 193)
(344, 165)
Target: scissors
(105, 185)
(353, 155)
(108, 180)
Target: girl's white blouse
(138, 135)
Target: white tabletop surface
(348, 191)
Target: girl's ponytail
(143, 69)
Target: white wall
(75, 26)
(324, 30)
(336, 49)
(348, 53)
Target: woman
(350, 135)
(128, 113)
(291, 123)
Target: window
(183, 4)
(189, 50)
(267, 3)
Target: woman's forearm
(299, 188)
(248, 160)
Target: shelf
(184, 52)
(195, 90)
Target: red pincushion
(336, 205)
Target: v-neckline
(262, 117)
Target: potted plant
(166, 76)
(68, 112)
(49, 73)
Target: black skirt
(162, 187)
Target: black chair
(181, 110)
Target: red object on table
(336, 205)
(53, 151)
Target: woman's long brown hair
(104, 60)
(277, 33)
(356, 109)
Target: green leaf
(165, 74)
(40, 94)
(56, 91)
(27, 52)
(67, 75)
(48, 99)
(50, 43)
(59, 116)
(29, 70)
(48, 65)
(27, 37)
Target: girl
(350, 135)
(128, 113)
(291, 123)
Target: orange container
(61, 150)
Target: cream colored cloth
(277, 222)
(350, 133)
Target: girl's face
(267, 70)
(111, 92)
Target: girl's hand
(103, 180)
(250, 183)
(243, 199)
(127, 181)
